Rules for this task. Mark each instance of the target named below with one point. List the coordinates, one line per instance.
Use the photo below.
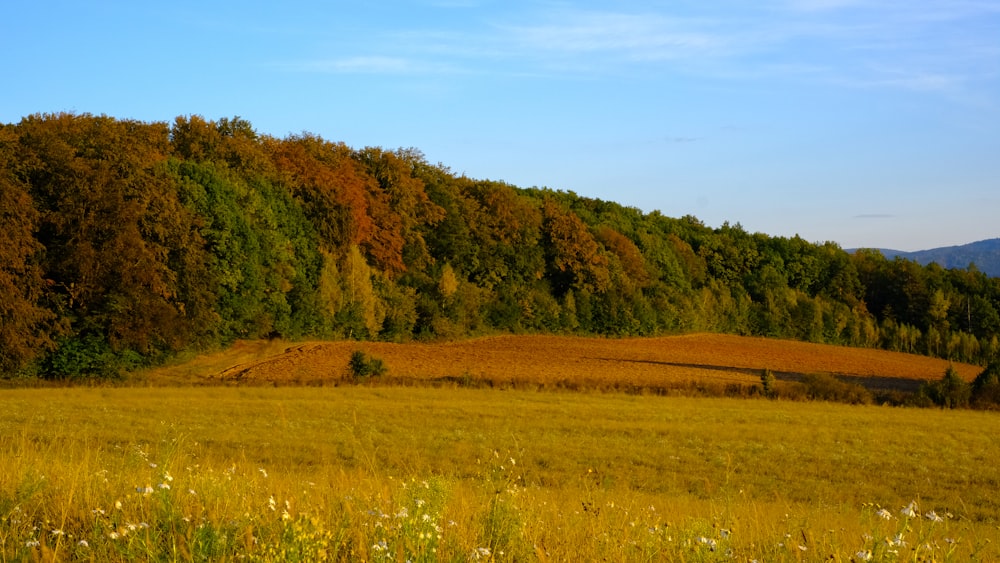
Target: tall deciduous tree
(403, 209)
(109, 221)
(506, 231)
(359, 293)
(629, 256)
(576, 260)
(25, 324)
(330, 184)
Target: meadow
(389, 473)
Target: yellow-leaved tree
(359, 293)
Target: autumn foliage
(126, 242)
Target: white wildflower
(910, 511)
(83, 543)
(884, 514)
(32, 543)
(933, 517)
(863, 555)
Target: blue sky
(868, 123)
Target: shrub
(950, 392)
(88, 356)
(986, 388)
(767, 382)
(361, 366)
(825, 387)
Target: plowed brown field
(574, 362)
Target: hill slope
(567, 362)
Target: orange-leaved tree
(110, 223)
(575, 259)
(26, 325)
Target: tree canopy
(126, 242)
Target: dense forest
(126, 242)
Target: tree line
(126, 242)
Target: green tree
(505, 231)
(951, 391)
(986, 387)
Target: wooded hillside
(126, 242)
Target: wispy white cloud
(852, 43)
(821, 5)
(633, 36)
(455, 3)
(371, 64)
(915, 80)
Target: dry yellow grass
(566, 361)
(358, 473)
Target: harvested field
(566, 362)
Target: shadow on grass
(872, 383)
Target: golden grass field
(187, 466)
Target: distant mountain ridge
(985, 254)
